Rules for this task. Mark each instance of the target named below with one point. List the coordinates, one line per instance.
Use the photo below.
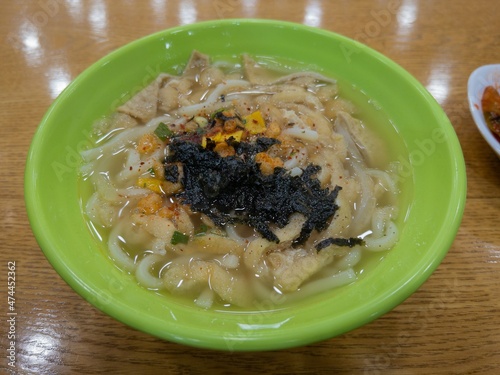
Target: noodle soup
(233, 182)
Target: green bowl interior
(432, 176)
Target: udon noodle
(230, 182)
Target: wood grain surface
(451, 325)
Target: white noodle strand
(143, 272)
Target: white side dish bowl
(487, 75)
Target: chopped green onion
(179, 237)
(201, 230)
(201, 121)
(152, 171)
(212, 116)
(163, 132)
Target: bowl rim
(481, 77)
(321, 331)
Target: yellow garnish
(254, 123)
(150, 183)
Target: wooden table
(450, 325)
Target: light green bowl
(431, 176)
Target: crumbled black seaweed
(210, 144)
(249, 149)
(221, 116)
(233, 190)
(349, 242)
(172, 173)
